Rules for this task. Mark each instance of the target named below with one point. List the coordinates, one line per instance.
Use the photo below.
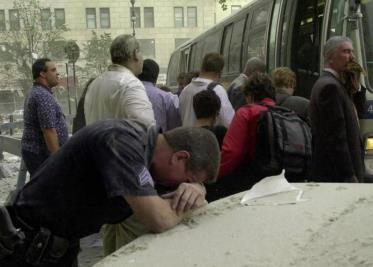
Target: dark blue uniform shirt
(81, 186)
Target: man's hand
(187, 196)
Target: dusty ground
(91, 246)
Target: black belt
(39, 247)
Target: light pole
(133, 16)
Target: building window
(179, 41)
(192, 16)
(46, 23)
(235, 8)
(90, 14)
(14, 24)
(105, 17)
(179, 17)
(59, 14)
(137, 17)
(148, 17)
(147, 48)
(2, 21)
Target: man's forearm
(154, 212)
(51, 139)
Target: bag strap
(283, 100)
(212, 85)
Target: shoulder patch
(144, 177)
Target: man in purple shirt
(45, 128)
(165, 104)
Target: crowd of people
(142, 157)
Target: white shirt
(117, 94)
(188, 117)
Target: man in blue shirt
(105, 173)
(165, 104)
(45, 128)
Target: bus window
(184, 59)
(173, 69)
(226, 43)
(305, 47)
(212, 43)
(235, 47)
(367, 8)
(338, 13)
(196, 56)
(255, 32)
(273, 36)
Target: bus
(287, 33)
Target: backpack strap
(283, 100)
(212, 85)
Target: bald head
(253, 65)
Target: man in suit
(337, 147)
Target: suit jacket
(337, 150)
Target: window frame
(91, 19)
(108, 26)
(18, 22)
(146, 22)
(182, 25)
(2, 21)
(190, 18)
(58, 24)
(138, 16)
(46, 22)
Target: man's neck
(209, 75)
(42, 82)
(209, 122)
(332, 71)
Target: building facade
(160, 25)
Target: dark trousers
(18, 258)
(33, 160)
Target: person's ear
(136, 55)
(181, 155)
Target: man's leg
(117, 235)
(33, 161)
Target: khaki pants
(117, 235)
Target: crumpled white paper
(273, 190)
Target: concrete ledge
(334, 227)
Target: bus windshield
(367, 8)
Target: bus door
(301, 36)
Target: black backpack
(283, 141)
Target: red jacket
(239, 141)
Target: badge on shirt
(145, 177)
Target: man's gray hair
(123, 48)
(332, 44)
(202, 146)
(254, 64)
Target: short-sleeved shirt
(188, 117)
(41, 111)
(165, 107)
(117, 94)
(82, 186)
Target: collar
(117, 67)
(267, 101)
(43, 86)
(333, 72)
(204, 80)
(281, 90)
